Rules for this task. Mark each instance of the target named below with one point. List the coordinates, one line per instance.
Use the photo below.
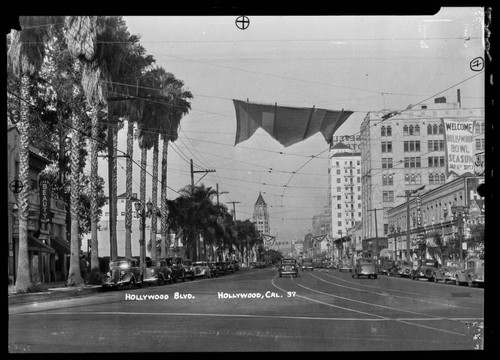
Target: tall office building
(403, 152)
(261, 216)
(344, 189)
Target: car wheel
(457, 281)
(281, 275)
(470, 283)
(131, 284)
(374, 276)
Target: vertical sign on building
(459, 139)
(45, 212)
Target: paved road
(318, 311)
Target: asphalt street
(255, 310)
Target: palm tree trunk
(74, 277)
(142, 240)
(163, 199)
(112, 128)
(23, 278)
(154, 195)
(94, 257)
(128, 203)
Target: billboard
(459, 140)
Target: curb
(52, 295)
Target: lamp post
(142, 213)
(398, 230)
(459, 215)
(408, 230)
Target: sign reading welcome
(459, 139)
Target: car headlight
(152, 271)
(122, 273)
(108, 274)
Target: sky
(356, 63)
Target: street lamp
(408, 231)
(142, 213)
(459, 215)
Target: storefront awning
(60, 246)
(36, 245)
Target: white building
(344, 189)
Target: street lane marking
(396, 296)
(284, 317)
(400, 291)
(362, 312)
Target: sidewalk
(55, 291)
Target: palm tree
(179, 106)
(26, 53)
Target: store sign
(45, 211)
(459, 140)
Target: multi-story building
(261, 216)
(344, 189)
(402, 152)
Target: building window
(382, 131)
(339, 189)
(417, 130)
(389, 131)
(339, 197)
(123, 213)
(410, 130)
(443, 178)
(339, 215)
(338, 180)
(431, 179)
(479, 144)
(386, 146)
(339, 206)
(409, 146)
(388, 196)
(441, 129)
(407, 179)
(339, 223)
(405, 130)
(338, 171)
(386, 163)
(413, 178)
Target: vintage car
(236, 265)
(345, 265)
(447, 271)
(364, 267)
(229, 267)
(307, 264)
(401, 268)
(201, 269)
(386, 266)
(426, 269)
(221, 267)
(213, 269)
(188, 269)
(288, 267)
(175, 265)
(157, 272)
(122, 272)
(472, 274)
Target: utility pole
(197, 171)
(376, 233)
(234, 209)
(220, 193)
(408, 195)
(198, 250)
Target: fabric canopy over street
(288, 125)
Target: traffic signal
(481, 189)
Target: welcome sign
(459, 140)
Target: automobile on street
(157, 272)
(364, 267)
(122, 272)
(426, 269)
(288, 267)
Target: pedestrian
(84, 268)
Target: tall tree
(25, 54)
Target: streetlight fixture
(408, 231)
(142, 213)
(459, 215)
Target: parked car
(175, 265)
(364, 267)
(426, 269)
(472, 274)
(157, 272)
(221, 267)
(288, 267)
(229, 267)
(386, 266)
(307, 264)
(123, 272)
(402, 268)
(475, 272)
(236, 265)
(345, 265)
(188, 269)
(213, 269)
(447, 271)
(201, 269)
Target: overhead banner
(287, 125)
(459, 139)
